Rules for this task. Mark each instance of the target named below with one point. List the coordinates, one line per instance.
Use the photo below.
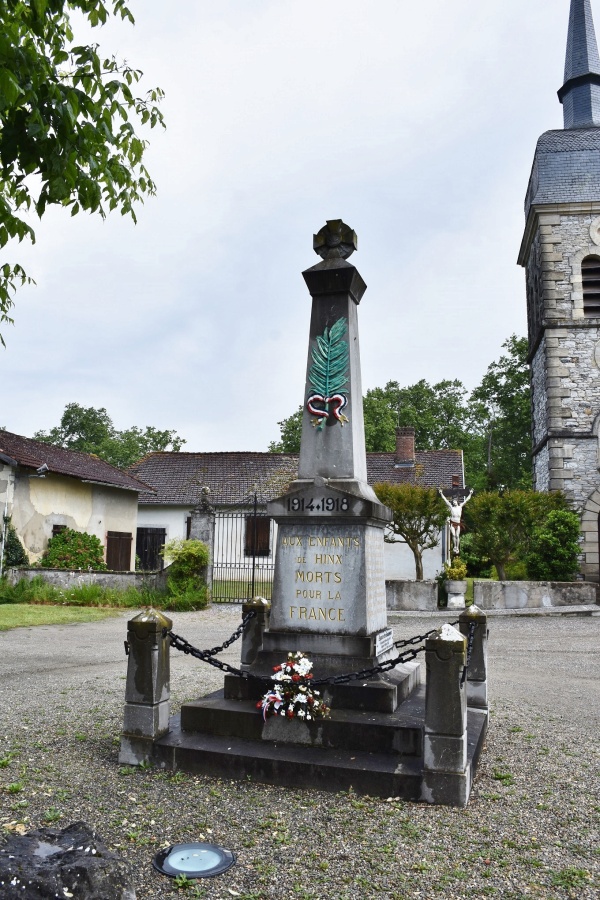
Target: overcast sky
(415, 123)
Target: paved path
(531, 825)
(554, 659)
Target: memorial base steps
(373, 753)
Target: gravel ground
(531, 828)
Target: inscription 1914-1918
(319, 504)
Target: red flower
(259, 704)
(310, 701)
(295, 678)
(290, 713)
(277, 668)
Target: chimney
(405, 447)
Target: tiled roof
(84, 466)
(433, 468)
(233, 478)
(566, 168)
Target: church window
(590, 271)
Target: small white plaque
(384, 641)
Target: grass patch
(39, 592)
(224, 589)
(19, 615)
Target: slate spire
(580, 94)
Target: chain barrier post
(252, 636)
(477, 691)
(147, 693)
(446, 778)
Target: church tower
(561, 255)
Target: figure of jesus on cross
(456, 509)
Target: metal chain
(180, 643)
(369, 673)
(417, 639)
(184, 646)
(420, 638)
(205, 654)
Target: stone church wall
(538, 394)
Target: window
(258, 536)
(118, 551)
(590, 273)
(56, 529)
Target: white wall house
(45, 488)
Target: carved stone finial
(204, 504)
(336, 240)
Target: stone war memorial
(352, 711)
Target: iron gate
(243, 556)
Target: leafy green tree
(554, 547)
(438, 413)
(291, 430)
(186, 575)
(71, 549)
(13, 551)
(502, 406)
(419, 515)
(92, 431)
(503, 524)
(66, 112)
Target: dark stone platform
(383, 693)
(374, 753)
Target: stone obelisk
(329, 586)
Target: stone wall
(565, 369)
(532, 594)
(411, 595)
(69, 578)
(538, 394)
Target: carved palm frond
(329, 372)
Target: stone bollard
(147, 692)
(445, 775)
(252, 638)
(477, 692)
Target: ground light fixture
(194, 860)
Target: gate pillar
(202, 528)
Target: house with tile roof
(234, 480)
(44, 488)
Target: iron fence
(243, 556)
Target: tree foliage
(13, 551)
(291, 430)
(92, 431)
(503, 524)
(186, 582)
(418, 516)
(491, 425)
(502, 407)
(66, 132)
(71, 549)
(554, 547)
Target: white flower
(303, 667)
(300, 713)
(308, 715)
(301, 698)
(282, 712)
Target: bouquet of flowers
(291, 694)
